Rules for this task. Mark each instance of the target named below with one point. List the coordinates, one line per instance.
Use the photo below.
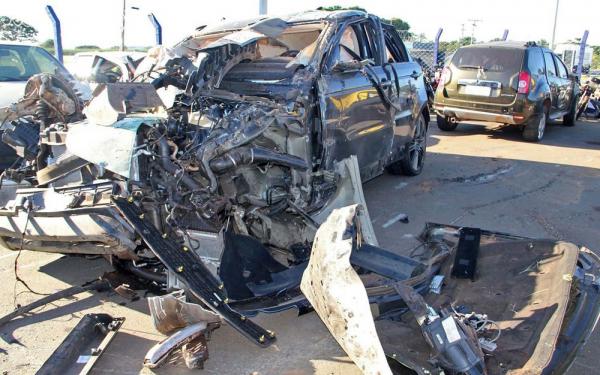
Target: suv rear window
(490, 59)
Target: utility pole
(262, 7)
(474, 25)
(462, 31)
(552, 45)
(123, 26)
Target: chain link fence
(424, 50)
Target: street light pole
(475, 22)
(123, 26)
(552, 45)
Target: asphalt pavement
(481, 176)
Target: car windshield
(19, 63)
(489, 59)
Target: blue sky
(98, 22)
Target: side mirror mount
(351, 66)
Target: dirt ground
(476, 176)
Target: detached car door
(355, 118)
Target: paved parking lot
(476, 176)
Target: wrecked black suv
(215, 168)
(231, 175)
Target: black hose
(144, 274)
(251, 155)
(169, 166)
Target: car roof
(14, 43)
(301, 17)
(502, 44)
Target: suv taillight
(524, 83)
(446, 76)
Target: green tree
(47, 44)
(88, 47)
(543, 43)
(596, 58)
(16, 30)
(398, 23)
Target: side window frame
(558, 63)
(371, 38)
(553, 64)
(363, 41)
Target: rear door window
(370, 41)
(489, 59)
(535, 61)
(550, 67)
(562, 70)
(394, 48)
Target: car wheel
(445, 125)
(413, 158)
(569, 118)
(536, 126)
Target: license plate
(478, 90)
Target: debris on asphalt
(436, 284)
(337, 294)
(190, 336)
(465, 259)
(454, 345)
(481, 178)
(402, 218)
(84, 345)
(98, 285)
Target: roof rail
(531, 44)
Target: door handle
(415, 74)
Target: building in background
(569, 53)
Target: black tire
(536, 126)
(414, 151)
(445, 125)
(569, 118)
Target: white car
(18, 62)
(104, 67)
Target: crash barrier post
(157, 28)
(58, 50)
(582, 53)
(505, 35)
(436, 46)
(262, 7)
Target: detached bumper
(54, 225)
(477, 115)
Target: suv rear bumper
(475, 115)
